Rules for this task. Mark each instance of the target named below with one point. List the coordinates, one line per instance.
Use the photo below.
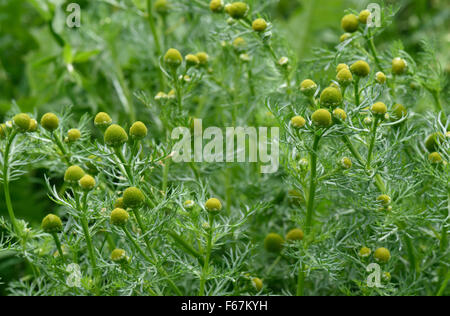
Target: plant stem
(153, 262)
(166, 175)
(87, 236)
(374, 52)
(6, 183)
(312, 183)
(301, 281)
(443, 285)
(273, 265)
(437, 101)
(58, 246)
(356, 85)
(372, 141)
(125, 165)
(61, 147)
(186, 246)
(158, 50)
(207, 257)
(411, 255)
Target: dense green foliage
(364, 150)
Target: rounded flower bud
(273, 243)
(368, 120)
(133, 197)
(216, 6)
(173, 58)
(363, 16)
(192, 60)
(138, 130)
(73, 174)
(52, 224)
(341, 67)
(161, 7)
(380, 77)
(3, 131)
(360, 68)
(115, 136)
(308, 87)
(382, 254)
(399, 111)
(202, 58)
(398, 66)
(433, 141)
(350, 23)
(119, 203)
(257, 284)
(102, 119)
(344, 77)
(50, 122)
(378, 108)
(330, 97)
(346, 163)
(344, 37)
(298, 121)
(213, 205)
(22, 122)
(340, 114)
(119, 256)
(73, 135)
(33, 126)
(321, 118)
(87, 183)
(435, 158)
(188, 204)
(364, 252)
(384, 199)
(259, 25)
(119, 217)
(239, 44)
(283, 61)
(295, 234)
(237, 10)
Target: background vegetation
(109, 64)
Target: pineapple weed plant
(362, 179)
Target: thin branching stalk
(372, 141)
(58, 246)
(312, 183)
(205, 269)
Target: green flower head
(50, 122)
(331, 97)
(322, 118)
(115, 136)
(192, 60)
(102, 119)
(382, 255)
(133, 197)
(344, 77)
(203, 58)
(173, 58)
(340, 114)
(273, 243)
(213, 205)
(295, 234)
(257, 284)
(87, 182)
(433, 142)
(398, 66)
(73, 135)
(360, 68)
(379, 109)
(350, 23)
(73, 174)
(435, 158)
(308, 87)
(298, 121)
(52, 224)
(364, 16)
(216, 6)
(259, 25)
(119, 217)
(237, 10)
(22, 122)
(138, 130)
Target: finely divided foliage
(363, 177)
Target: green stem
(124, 163)
(372, 141)
(312, 183)
(166, 175)
(186, 246)
(356, 85)
(6, 183)
(158, 50)
(207, 257)
(273, 265)
(301, 281)
(87, 236)
(437, 101)
(411, 255)
(58, 246)
(136, 245)
(443, 285)
(373, 50)
(61, 147)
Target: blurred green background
(111, 60)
